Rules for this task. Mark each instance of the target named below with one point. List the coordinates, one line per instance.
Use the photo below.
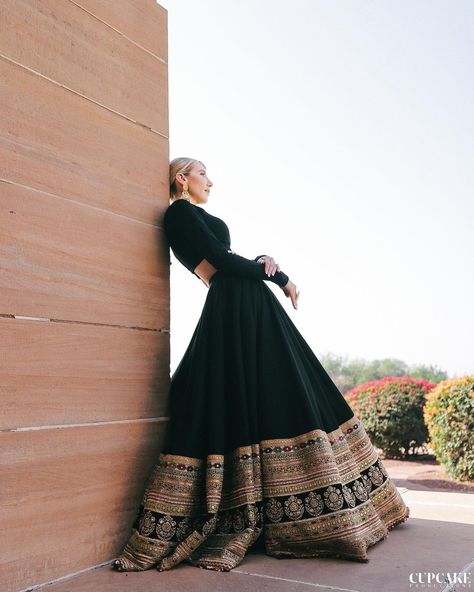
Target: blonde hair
(182, 164)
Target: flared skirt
(260, 443)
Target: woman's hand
(292, 292)
(271, 266)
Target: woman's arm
(192, 231)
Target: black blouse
(193, 234)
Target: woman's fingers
(294, 297)
(270, 266)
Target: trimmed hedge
(449, 416)
(391, 410)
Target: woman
(260, 440)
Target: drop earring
(185, 194)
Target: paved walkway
(437, 538)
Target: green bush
(391, 410)
(449, 416)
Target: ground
(437, 540)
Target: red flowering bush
(391, 410)
(449, 415)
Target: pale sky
(339, 138)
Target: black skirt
(260, 442)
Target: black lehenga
(260, 440)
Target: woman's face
(199, 184)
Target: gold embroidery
(317, 494)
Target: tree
(348, 374)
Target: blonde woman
(260, 442)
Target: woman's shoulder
(179, 204)
(181, 214)
(175, 207)
(182, 207)
(175, 203)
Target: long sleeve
(187, 232)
